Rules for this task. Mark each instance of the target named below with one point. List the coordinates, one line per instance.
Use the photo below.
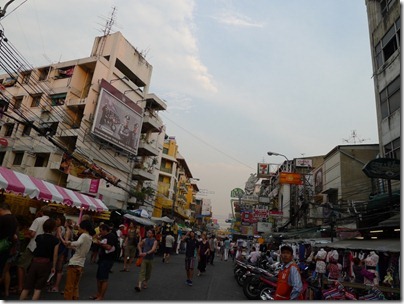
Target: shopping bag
(139, 261)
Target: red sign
(94, 185)
(3, 142)
(290, 178)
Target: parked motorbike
(259, 282)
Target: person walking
(203, 254)
(108, 243)
(34, 230)
(132, 239)
(76, 263)
(289, 280)
(168, 248)
(190, 253)
(8, 231)
(213, 246)
(64, 235)
(226, 245)
(147, 247)
(43, 261)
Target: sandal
(93, 297)
(53, 290)
(137, 288)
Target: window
(18, 156)
(385, 6)
(388, 44)
(49, 128)
(41, 160)
(43, 73)
(58, 99)
(392, 149)
(17, 102)
(27, 130)
(390, 99)
(36, 100)
(9, 129)
(25, 77)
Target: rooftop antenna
(107, 30)
(355, 138)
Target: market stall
(25, 192)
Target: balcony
(147, 149)
(140, 174)
(76, 102)
(151, 123)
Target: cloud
(236, 19)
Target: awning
(164, 219)
(392, 245)
(140, 220)
(17, 182)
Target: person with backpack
(290, 284)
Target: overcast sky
(240, 78)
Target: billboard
(290, 178)
(117, 120)
(206, 207)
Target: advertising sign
(264, 227)
(290, 178)
(386, 168)
(304, 162)
(206, 207)
(118, 120)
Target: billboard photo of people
(116, 122)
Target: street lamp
(278, 154)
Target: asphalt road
(166, 284)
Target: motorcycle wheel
(240, 278)
(267, 294)
(252, 288)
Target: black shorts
(189, 263)
(104, 267)
(168, 250)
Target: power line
(210, 145)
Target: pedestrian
(34, 230)
(108, 243)
(203, 254)
(76, 263)
(190, 253)
(213, 246)
(254, 256)
(121, 233)
(226, 245)
(289, 280)
(64, 235)
(8, 231)
(147, 247)
(168, 248)
(132, 239)
(94, 247)
(43, 261)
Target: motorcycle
(259, 282)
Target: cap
(121, 225)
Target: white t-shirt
(82, 247)
(37, 226)
(170, 241)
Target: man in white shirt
(254, 255)
(76, 263)
(35, 230)
(170, 240)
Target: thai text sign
(290, 178)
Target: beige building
(91, 117)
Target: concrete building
(74, 122)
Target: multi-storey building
(87, 124)
(384, 19)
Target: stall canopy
(164, 219)
(140, 220)
(392, 245)
(16, 182)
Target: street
(167, 283)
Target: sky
(240, 77)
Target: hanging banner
(290, 178)
(94, 185)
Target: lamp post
(278, 154)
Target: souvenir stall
(26, 194)
(364, 269)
